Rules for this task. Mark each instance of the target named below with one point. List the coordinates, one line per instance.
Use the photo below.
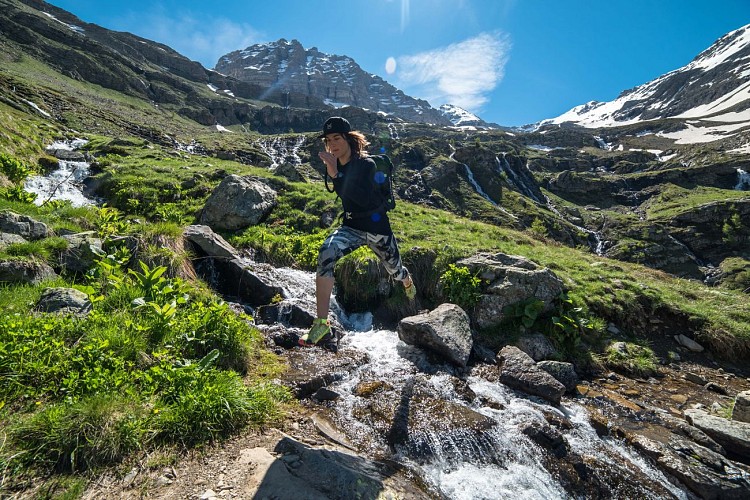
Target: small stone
(714, 387)
(611, 328)
(162, 481)
(695, 378)
(680, 399)
(130, 477)
(208, 494)
(689, 343)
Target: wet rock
(564, 373)
(537, 346)
(237, 203)
(445, 330)
(706, 473)
(64, 300)
(23, 225)
(425, 426)
(310, 369)
(547, 437)
(10, 238)
(289, 314)
(734, 436)
(519, 371)
(209, 242)
(508, 280)
(741, 411)
(25, 271)
(688, 343)
(238, 278)
(325, 394)
(84, 249)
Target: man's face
(337, 145)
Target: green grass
(153, 364)
(675, 200)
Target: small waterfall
(743, 180)
(282, 150)
(595, 240)
(499, 462)
(392, 129)
(516, 180)
(65, 183)
(602, 143)
(477, 187)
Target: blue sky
(512, 62)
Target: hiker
(356, 181)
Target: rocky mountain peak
(715, 83)
(338, 81)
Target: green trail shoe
(409, 288)
(320, 328)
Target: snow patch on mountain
(714, 87)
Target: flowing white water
(743, 180)
(65, 183)
(282, 150)
(501, 462)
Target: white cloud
(462, 73)
(200, 39)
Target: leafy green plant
(525, 312)
(460, 287)
(17, 193)
(109, 221)
(13, 169)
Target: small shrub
(631, 358)
(460, 287)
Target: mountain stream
(64, 183)
(404, 404)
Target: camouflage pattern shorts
(345, 240)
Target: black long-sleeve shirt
(359, 190)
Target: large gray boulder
(22, 225)
(734, 436)
(509, 279)
(519, 371)
(64, 301)
(237, 203)
(210, 243)
(25, 271)
(445, 330)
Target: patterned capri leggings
(345, 240)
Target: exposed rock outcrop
(508, 280)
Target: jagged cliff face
(289, 68)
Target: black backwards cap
(335, 125)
